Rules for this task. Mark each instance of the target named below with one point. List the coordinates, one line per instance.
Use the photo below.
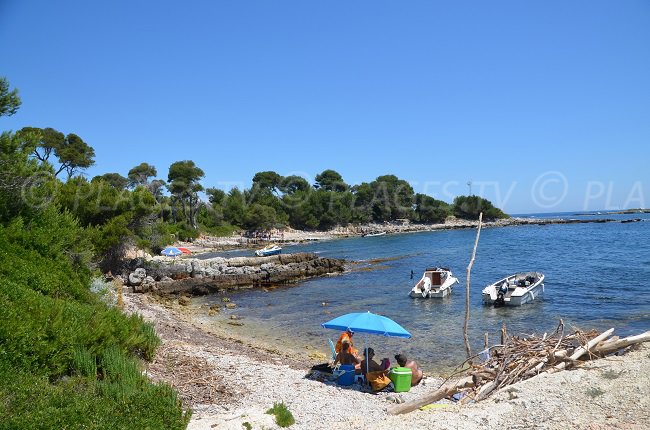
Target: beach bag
(378, 380)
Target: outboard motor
(501, 293)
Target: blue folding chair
(333, 349)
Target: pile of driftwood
(517, 359)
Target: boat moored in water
(514, 290)
(436, 282)
(381, 233)
(268, 250)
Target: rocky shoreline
(162, 275)
(290, 236)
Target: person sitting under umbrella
(376, 374)
(370, 365)
(416, 372)
(346, 336)
(345, 357)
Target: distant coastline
(289, 236)
(621, 212)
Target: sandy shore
(228, 382)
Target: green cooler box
(401, 377)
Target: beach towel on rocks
(378, 380)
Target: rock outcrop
(198, 277)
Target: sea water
(597, 277)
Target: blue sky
(544, 105)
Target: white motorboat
(436, 282)
(514, 290)
(268, 250)
(381, 233)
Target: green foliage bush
(430, 210)
(469, 207)
(66, 359)
(283, 416)
(32, 401)
(182, 231)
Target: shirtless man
(344, 357)
(416, 372)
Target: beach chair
(333, 349)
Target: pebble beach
(229, 381)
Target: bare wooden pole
(504, 334)
(469, 269)
(486, 342)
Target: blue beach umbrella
(367, 322)
(171, 251)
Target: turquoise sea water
(597, 276)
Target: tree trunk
(191, 211)
(182, 199)
(173, 207)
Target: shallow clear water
(597, 276)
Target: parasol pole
(365, 338)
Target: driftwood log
(440, 393)
(517, 359)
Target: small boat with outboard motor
(436, 283)
(514, 290)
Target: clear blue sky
(544, 105)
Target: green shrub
(67, 360)
(283, 416)
(469, 207)
(32, 401)
(84, 363)
(224, 230)
(184, 232)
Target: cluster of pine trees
(151, 211)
